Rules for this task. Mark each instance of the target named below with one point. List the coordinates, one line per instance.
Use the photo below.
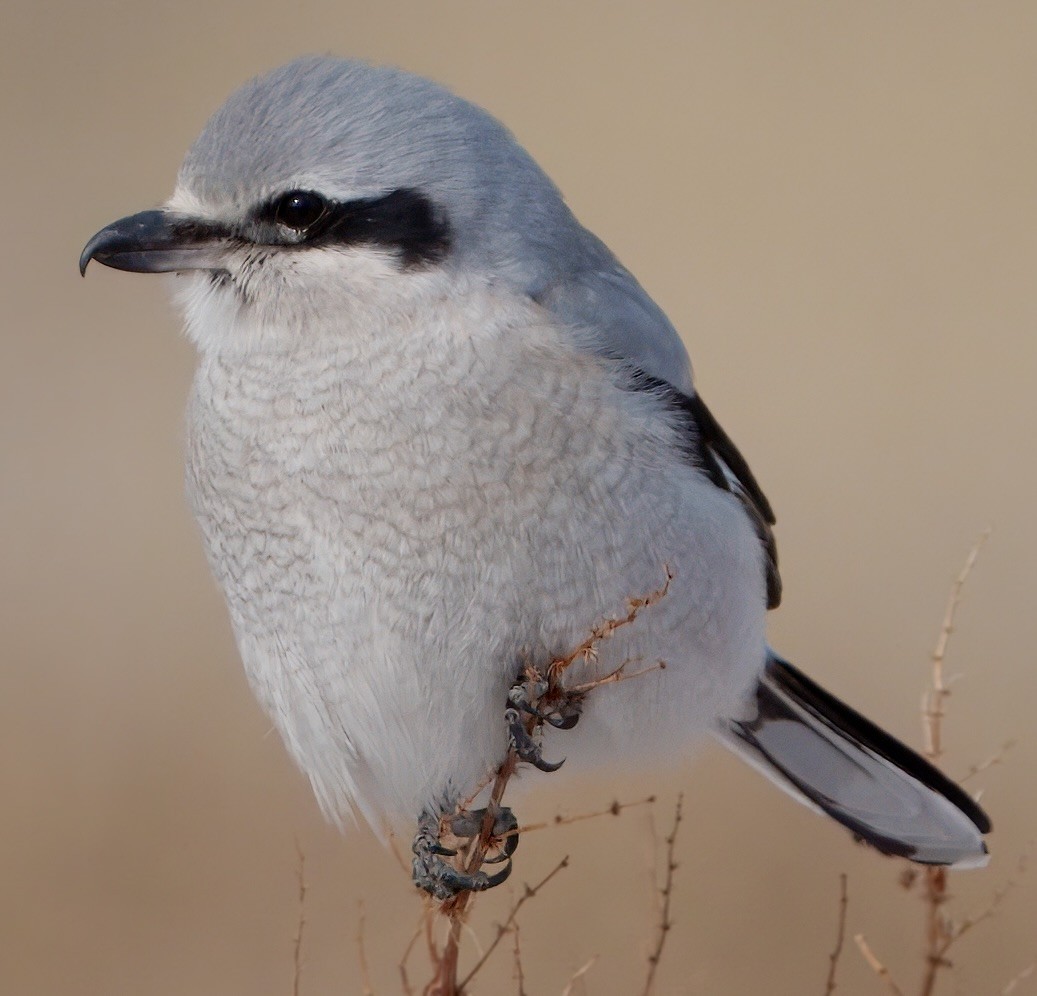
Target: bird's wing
(715, 454)
(728, 468)
(613, 316)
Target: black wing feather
(715, 454)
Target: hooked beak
(157, 242)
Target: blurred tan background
(836, 204)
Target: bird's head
(330, 184)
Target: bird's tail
(831, 758)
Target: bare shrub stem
(579, 974)
(940, 932)
(1013, 983)
(297, 942)
(517, 954)
(365, 971)
(876, 966)
(503, 928)
(935, 700)
(833, 958)
(444, 981)
(665, 923)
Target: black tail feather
(838, 761)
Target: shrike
(436, 432)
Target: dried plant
(840, 935)
(297, 942)
(942, 930)
(471, 858)
(666, 894)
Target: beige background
(835, 203)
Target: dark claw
(525, 746)
(492, 881)
(443, 881)
(509, 833)
(567, 715)
(564, 722)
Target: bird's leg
(531, 702)
(442, 880)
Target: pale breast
(398, 526)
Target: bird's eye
(299, 209)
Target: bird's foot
(537, 698)
(437, 876)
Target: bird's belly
(388, 574)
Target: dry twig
(579, 974)
(665, 923)
(940, 932)
(934, 703)
(408, 989)
(876, 966)
(833, 958)
(503, 928)
(996, 758)
(365, 972)
(444, 982)
(517, 954)
(297, 946)
(588, 650)
(1013, 984)
(560, 821)
(951, 932)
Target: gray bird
(436, 432)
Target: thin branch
(577, 975)
(1014, 982)
(588, 650)
(833, 958)
(365, 972)
(517, 953)
(996, 758)
(435, 958)
(943, 932)
(876, 966)
(616, 676)
(934, 703)
(444, 981)
(503, 928)
(408, 989)
(297, 945)
(665, 923)
(957, 931)
(940, 933)
(614, 809)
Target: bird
(436, 431)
